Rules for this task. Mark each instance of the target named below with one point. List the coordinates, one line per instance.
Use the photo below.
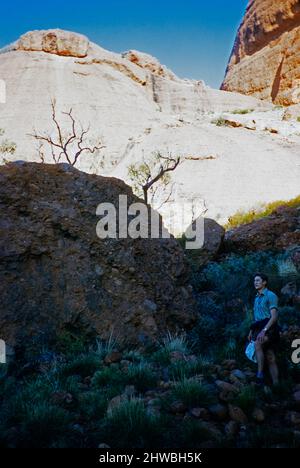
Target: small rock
(258, 415)
(61, 398)
(218, 411)
(226, 396)
(112, 357)
(154, 402)
(296, 397)
(229, 364)
(296, 435)
(78, 428)
(114, 402)
(237, 414)
(99, 270)
(238, 374)
(231, 429)
(178, 407)
(226, 386)
(293, 418)
(149, 305)
(200, 413)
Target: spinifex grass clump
(179, 370)
(130, 425)
(84, 365)
(192, 393)
(246, 399)
(171, 343)
(142, 376)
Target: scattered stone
(218, 411)
(200, 413)
(113, 357)
(229, 364)
(258, 415)
(226, 396)
(237, 414)
(114, 402)
(296, 397)
(60, 398)
(239, 374)
(178, 407)
(226, 386)
(293, 418)
(231, 429)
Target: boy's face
(259, 283)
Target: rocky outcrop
(266, 55)
(54, 41)
(149, 63)
(277, 231)
(213, 235)
(57, 274)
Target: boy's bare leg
(260, 354)
(273, 368)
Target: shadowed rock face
(278, 231)
(266, 54)
(56, 274)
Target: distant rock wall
(265, 61)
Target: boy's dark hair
(262, 276)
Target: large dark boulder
(56, 273)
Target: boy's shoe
(259, 379)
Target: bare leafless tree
(72, 145)
(146, 175)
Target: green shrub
(170, 343)
(192, 393)
(260, 211)
(93, 405)
(133, 355)
(84, 365)
(70, 343)
(289, 316)
(110, 375)
(43, 425)
(129, 425)
(194, 433)
(220, 122)
(242, 111)
(246, 399)
(141, 376)
(180, 370)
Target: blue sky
(193, 38)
